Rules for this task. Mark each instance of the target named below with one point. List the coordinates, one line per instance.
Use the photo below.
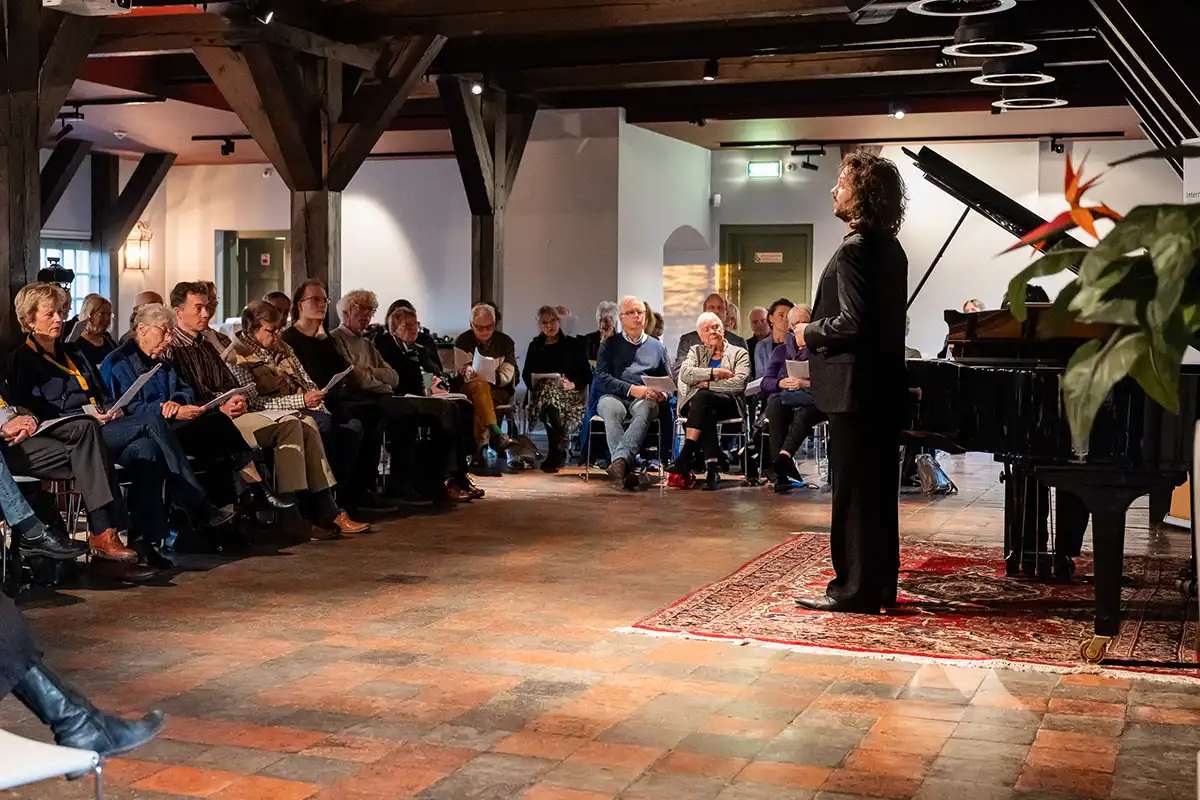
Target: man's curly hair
(879, 196)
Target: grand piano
(999, 392)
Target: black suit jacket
(856, 338)
(409, 362)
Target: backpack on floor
(934, 479)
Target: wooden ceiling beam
(527, 17)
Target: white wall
(561, 224)
(72, 217)
(664, 185)
(131, 282)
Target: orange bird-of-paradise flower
(1077, 216)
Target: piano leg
(1026, 535)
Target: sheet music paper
(485, 367)
(131, 393)
(220, 400)
(50, 423)
(664, 385)
(797, 369)
(336, 379)
(545, 376)
(753, 387)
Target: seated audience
(374, 381)
(51, 379)
(424, 337)
(623, 398)
(760, 327)
(210, 437)
(712, 380)
(422, 382)
(972, 306)
(277, 382)
(713, 304)
(777, 320)
(791, 413)
(557, 402)
(606, 323)
(293, 441)
(143, 299)
(281, 301)
(733, 317)
(95, 318)
(566, 321)
(353, 425)
(658, 326)
(484, 339)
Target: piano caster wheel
(1094, 650)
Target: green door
(767, 262)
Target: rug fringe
(978, 663)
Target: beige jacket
(695, 370)
(371, 372)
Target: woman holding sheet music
(206, 434)
(53, 380)
(557, 375)
(712, 380)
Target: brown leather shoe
(108, 545)
(452, 494)
(471, 489)
(346, 525)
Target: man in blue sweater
(622, 363)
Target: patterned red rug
(955, 603)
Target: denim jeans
(14, 505)
(625, 442)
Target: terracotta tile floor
(472, 655)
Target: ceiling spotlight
(227, 147)
(960, 8)
(712, 69)
(1011, 72)
(896, 111)
(808, 165)
(982, 39)
(1022, 97)
(699, 122)
(476, 88)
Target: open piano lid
(982, 198)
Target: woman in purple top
(791, 413)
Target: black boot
(76, 722)
(42, 540)
(712, 478)
(210, 516)
(785, 473)
(682, 465)
(263, 499)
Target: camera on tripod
(55, 272)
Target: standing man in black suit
(856, 345)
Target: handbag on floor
(934, 479)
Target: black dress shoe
(553, 461)
(373, 502)
(712, 478)
(75, 722)
(210, 516)
(827, 603)
(50, 543)
(263, 499)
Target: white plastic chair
(24, 761)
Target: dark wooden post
(489, 133)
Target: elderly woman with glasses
(207, 435)
(712, 380)
(278, 381)
(51, 379)
(558, 376)
(95, 318)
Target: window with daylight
(75, 255)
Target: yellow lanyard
(70, 368)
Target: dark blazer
(121, 369)
(49, 392)
(856, 338)
(567, 356)
(409, 362)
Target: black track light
(712, 69)
(227, 147)
(808, 165)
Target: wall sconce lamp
(137, 248)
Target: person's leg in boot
(33, 536)
(367, 420)
(217, 444)
(74, 721)
(803, 420)
(464, 414)
(556, 439)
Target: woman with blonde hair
(95, 318)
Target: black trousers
(218, 447)
(789, 426)
(451, 424)
(76, 451)
(704, 410)
(354, 441)
(864, 466)
(18, 651)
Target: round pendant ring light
(981, 39)
(1023, 98)
(1006, 72)
(960, 8)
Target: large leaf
(1092, 372)
(1179, 152)
(1126, 237)
(1174, 247)
(1158, 371)
(1052, 263)
(1124, 278)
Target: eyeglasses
(318, 300)
(271, 331)
(635, 313)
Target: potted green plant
(1143, 277)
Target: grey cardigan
(695, 369)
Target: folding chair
(24, 761)
(652, 432)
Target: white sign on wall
(1191, 177)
